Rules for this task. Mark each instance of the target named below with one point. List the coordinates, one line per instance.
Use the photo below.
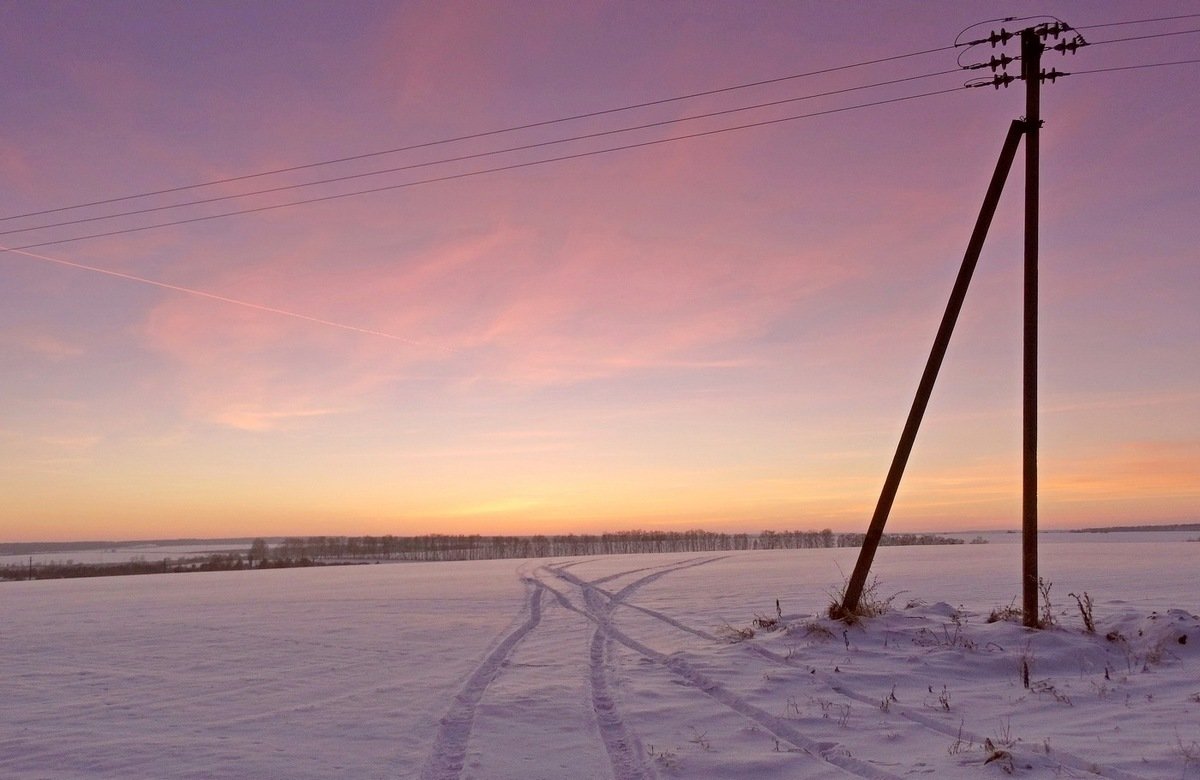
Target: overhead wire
(24, 250)
(525, 164)
(543, 123)
(1136, 21)
(1135, 67)
(475, 155)
(602, 112)
(485, 133)
(1144, 37)
(1002, 20)
(497, 169)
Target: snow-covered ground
(616, 667)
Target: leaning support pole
(866, 555)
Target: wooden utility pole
(858, 579)
(1031, 72)
(1032, 47)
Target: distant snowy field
(616, 667)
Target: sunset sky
(724, 332)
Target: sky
(722, 332)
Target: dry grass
(733, 634)
(870, 603)
(1085, 609)
(1010, 614)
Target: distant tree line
(38, 548)
(52, 570)
(341, 550)
(1138, 528)
(443, 547)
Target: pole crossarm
(854, 588)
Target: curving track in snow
(783, 730)
(781, 727)
(597, 601)
(450, 745)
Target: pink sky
(724, 332)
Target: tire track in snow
(831, 752)
(624, 749)
(672, 622)
(450, 746)
(620, 574)
(1065, 758)
(619, 599)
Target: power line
(1136, 21)
(514, 166)
(526, 147)
(1143, 37)
(486, 133)
(585, 115)
(1002, 20)
(473, 156)
(22, 250)
(1135, 67)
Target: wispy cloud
(42, 344)
(247, 418)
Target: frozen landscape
(368, 281)
(612, 667)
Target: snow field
(617, 667)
